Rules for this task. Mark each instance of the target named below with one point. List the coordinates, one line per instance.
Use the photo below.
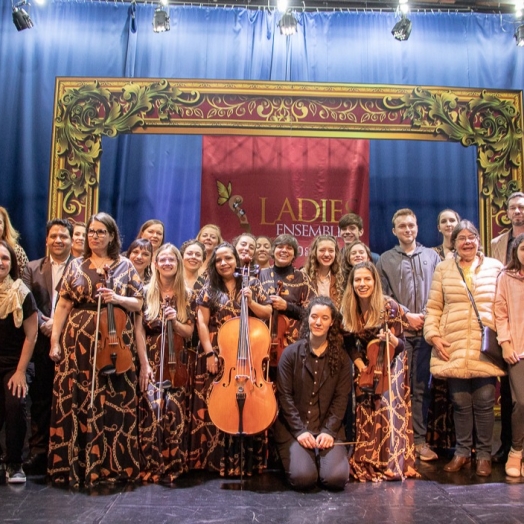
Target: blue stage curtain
(145, 176)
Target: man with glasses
(501, 249)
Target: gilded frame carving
(86, 109)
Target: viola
(279, 327)
(173, 362)
(241, 401)
(113, 354)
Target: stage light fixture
(403, 6)
(21, 16)
(402, 29)
(282, 6)
(519, 35)
(288, 24)
(161, 21)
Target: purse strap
(481, 325)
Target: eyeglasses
(167, 260)
(96, 232)
(471, 238)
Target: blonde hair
(350, 309)
(217, 231)
(153, 295)
(10, 234)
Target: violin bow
(162, 356)
(390, 389)
(97, 331)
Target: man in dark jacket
(43, 277)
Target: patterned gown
(210, 448)
(441, 427)
(372, 459)
(163, 441)
(297, 291)
(100, 443)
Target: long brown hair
(351, 311)
(311, 267)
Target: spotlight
(519, 35)
(403, 6)
(288, 24)
(282, 6)
(402, 29)
(21, 17)
(161, 21)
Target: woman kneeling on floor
(313, 384)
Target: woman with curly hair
(384, 448)
(313, 385)
(323, 268)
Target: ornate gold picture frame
(87, 109)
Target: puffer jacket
(451, 316)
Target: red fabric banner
(274, 185)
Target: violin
(173, 362)
(113, 354)
(279, 327)
(241, 401)
(375, 378)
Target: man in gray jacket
(406, 272)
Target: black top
(12, 338)
(309, 401)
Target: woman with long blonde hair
(162, 407)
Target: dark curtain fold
(145, 176)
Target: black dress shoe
(36, 464)
(501, 456)
(457, 463)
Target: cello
(241, 401)
(173, 362)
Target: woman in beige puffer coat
(452, 328)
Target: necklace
(101, 263)
(325, 279)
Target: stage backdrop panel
(275, 185)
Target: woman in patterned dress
(384, 448)
(90, 444)
(219, 301)
(323, 268)
(162, 414)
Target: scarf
(12, 296)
